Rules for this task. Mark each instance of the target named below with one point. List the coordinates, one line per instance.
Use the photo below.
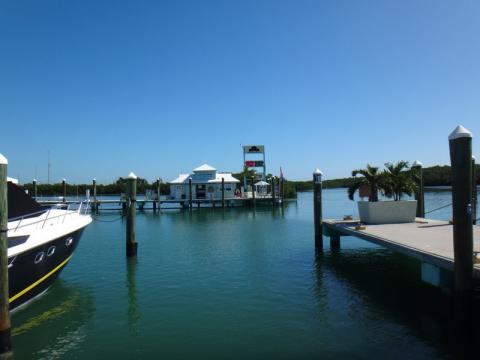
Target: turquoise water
(236, 284)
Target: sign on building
(254, 151)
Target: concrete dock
(430, 241)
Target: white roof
(204, 167)
(180, 179)
(228, 178)
(261, 183)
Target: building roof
(180, 179)
(228, 178)
(204, 167)
(183, 178)
(262, 183)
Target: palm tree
(371, 178)
(398, 180)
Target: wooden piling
(131, 198)
(253, 192)
(158, 194)
(223, 193)
(34, 188)
(474, 192)
(190, 204)
(460, 143)
(335, 240)
(272, 182)
(64, 186)
(282, 190)
(317, 206)
(95, 203)
(5, 325)
(419, 194)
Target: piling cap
(473, 157)
(3, 160)
(131, 175)
(94, 179)
(64, 180)
(417, 163)
(34, 180)
(460, 132)
(317, 172)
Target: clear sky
(160, 87)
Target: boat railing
(49, 216)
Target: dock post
(34, 182)
(419, 194)
(272, 181)
(158, 194)
(253, 192)
(64, 186)
(317, 206)
(460, 143)
(223, 193)
(190, 204)
(281, 185)
(335, 240)
(5, 325)
(474, 192)
(95, 204)
(131, 199)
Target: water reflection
(53, 325)
(389, 284)
(132, 313)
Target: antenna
(49, 166)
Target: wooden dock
(117, 204)
(430, 241)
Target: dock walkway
(430, 241)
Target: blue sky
(160, 87)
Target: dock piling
(158, 194)
(460, 143)
(34, 182)
(474, 192)
(417, 166)
(95, 203)
(317, 206)
(131, 198)
(282, 193)
(64, 186)
(5, 325)
(253, 192)
(190, 204)
(272, 181)
(223, 193)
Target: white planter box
(387, 212)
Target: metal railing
(48, 216)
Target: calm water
(235, 285)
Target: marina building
(206, 184)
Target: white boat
(40, 244)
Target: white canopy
(262, 183)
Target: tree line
(119, 186)
(432, 176)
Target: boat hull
(32, 272)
